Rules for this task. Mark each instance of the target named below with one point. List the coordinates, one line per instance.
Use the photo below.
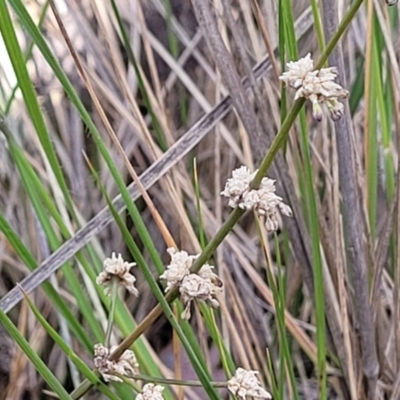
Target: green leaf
(40, 366)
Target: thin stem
(164, 381)
(110, 323)
(289, 120)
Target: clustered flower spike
(125, 365)
(204, 285)
(151, 392)
(245, 383)
(178, 268)
(318, 86)
(263, 200)
(116, 267)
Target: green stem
(110, 324)
(340, 30)
(290, 118)
(318, 25)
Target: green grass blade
(28, 260)
(312, 218)
(371, 144)
(80, 364)
(137, 254)
(40, 366)
(33, 187)
(17, 59)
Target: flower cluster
(125, 365)
(151, 392)
(204, 285)
(178, 268)
(318, 86)
(245, 383)
(116, 267)
(263, 200)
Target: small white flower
(206, 272)
(317, 86)
(263, 200)
(178, 268)
(245, 383)
(200, 288)
(126, 364)
(297, 71)
(237, 185)
(151, 392)
(336, 109)
(116, 267)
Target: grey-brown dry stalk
(353, 221)
(230, 76)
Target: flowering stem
(114, 295)
(338, 34)
(318, 25)
(218, 238)
(279, 140)
(289, 120)
(237, 213)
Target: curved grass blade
(40, 366)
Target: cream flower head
(318, 86)
(200, 287)
(125, 365)
(245, 383)
(151, 392)
(238, 185)
(116, 267)
(297, 71)
(262, 200)
(178, 268)
(204, 285)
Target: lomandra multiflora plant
(257, 261)
(203, 285)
